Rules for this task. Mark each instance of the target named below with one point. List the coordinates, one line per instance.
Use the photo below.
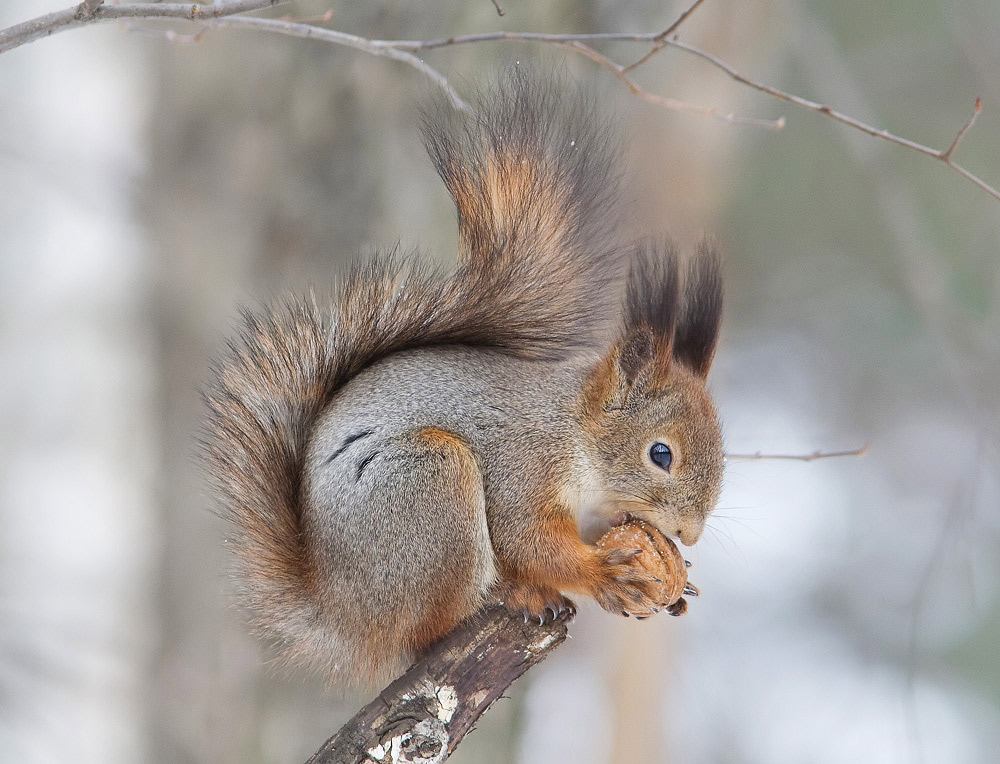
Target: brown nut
(658, 556)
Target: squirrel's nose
(690, 534)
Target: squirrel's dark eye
(661, 455)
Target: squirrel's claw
(537, 604)
(678, 608)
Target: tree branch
(92, 11)
(758, 455)
(374, 47)
(425, 714)
(621, 72)
(942, 156)
(579, 44)
(946, 155)
(661, 38)
(222, 14)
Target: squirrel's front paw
(641, 572)
(625, 586)
(542, 604)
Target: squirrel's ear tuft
(650, 313)
(697, 332)
(651, 300)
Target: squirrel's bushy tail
(532, 175)
(533, 171)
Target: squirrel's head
(658, 443)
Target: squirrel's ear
(642, 356)
(633, 358)
(697, 332)
(627, 367)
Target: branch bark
(87, 8)
(423, 716)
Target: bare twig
(373, 47)
(942, 156)
(680, 20)
(402, 51)
(91, 11)
(661, 38)
(946, 155)
(758, 455)
(222, 14)
(426, 713)
(621, 72)
(500, 9)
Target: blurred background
(850, 608)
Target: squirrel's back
(486, 397)
(532, 173)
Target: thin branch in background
(91, 11)
(403, 50)
(942, 156)
(759, 455)
(223, 14)
(500, 9)
(373, 47)
(946, 155)
(680, 20)
(670, 103)
(661, 38)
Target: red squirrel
(428, 443)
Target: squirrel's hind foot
(541, 604)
